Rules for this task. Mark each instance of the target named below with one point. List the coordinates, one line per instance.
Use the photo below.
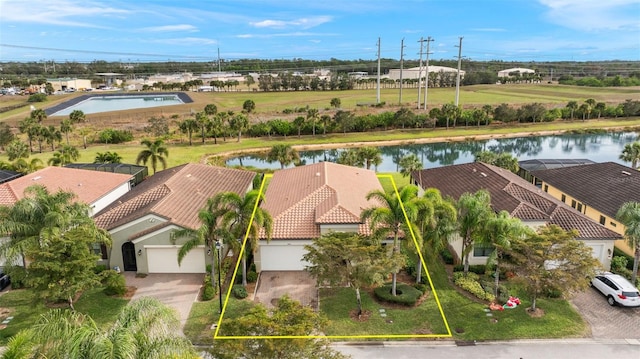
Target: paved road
(532, 349)
(607, 322)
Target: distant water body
(604, 147)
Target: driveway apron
(298, 285)
(178, 291)
(607, 322)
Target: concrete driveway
(298, 285)
(607, 322)
(178, 291)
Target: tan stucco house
(141, 222)
(597, 190)
(308, 201)
(521, 199)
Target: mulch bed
(366, 314)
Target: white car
(617, 289)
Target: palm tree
(501, 229)
(450, 112)
(145, 329)
(156, 152)
(629, 215)
(243, 218)
(77, 116)
(17, 149)
(285, 154)
(299, 122)
(189, 126)
(107, 157)
(409, 164)
(631, 153)
(369, 156)
(389, 218)
(24, 166)
(203, 122)
(473, 212)
(349, 157)
(312, 115)
(208, 234)
(66, 127)
(572, 106)
(67, 154)
(437, 222)
(238, 123)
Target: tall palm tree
(389, 217)
(409, 164)
(156, 152)
(67, 154)
(369, 156)
(474, 209)
(208, 234)
(66, 127)
(243, 218)
(189, 126)
(629, 215)
(501, 229)
(312, 116)
(285, 154)
(203, 122)
(107, 157)
(631, 153)
(437, 221)
(77, 116)
(145, 329)
(24, 166)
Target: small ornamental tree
(550, 259)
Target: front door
(129, 257)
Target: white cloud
(593, 15)
(170, 28)
(305, 22)
(57, 12)
(286, 34)
(186, 41)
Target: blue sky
(183, 30)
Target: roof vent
(36, 178)
(626, 173)
(483, 174)
(317, 174)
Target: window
(546, 188)
(100, 249)
(579, 207)
(564, 198)
(612, 224)
(538, 183)
(573, 203)
(603, 220)
(482, 250)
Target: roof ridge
(303, 199)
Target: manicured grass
(400, 181)
(26, 311)
(204, 314)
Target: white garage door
(274, 258)
(165, 260)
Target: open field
(271, 104)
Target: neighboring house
(597, 190)
(96, 191)
(6, 175)
(138, 173)
(528, 166)
(307, 202)
(517, 71)
(141, 222)
(521, 199)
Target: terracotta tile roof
(301, 198)
(176, 194)
(511, 193)
(88, 186)
(603, 186)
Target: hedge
(407, 295)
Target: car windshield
(630, 294)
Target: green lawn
(26, 311)
(204, 314)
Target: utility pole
(421, 41)
(378, 91)
(219, 70)
(401, 67)
(426, 77)
(458, 77)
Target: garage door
(274, 258)
(165, 260)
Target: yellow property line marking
(373, 336)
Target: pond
(109, 102)
(603, 147)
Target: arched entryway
(129, 257)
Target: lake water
(596, 147)
(97, 104)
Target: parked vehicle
(5, 280)
(617, 289)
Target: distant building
(515, 72)
(69, 84)
(416, 72)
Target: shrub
(111, 135)
(407, 295)
(489, 287)
(208, 268)
(474, 287)
(619, 263)
(619, 253)
(421, 287)
(252, 277)
(114, 283)
(446, 255)
(100, 268)
(471, 275)
(208, 292)
(239, 292)
(18, 275)
(37, 97)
